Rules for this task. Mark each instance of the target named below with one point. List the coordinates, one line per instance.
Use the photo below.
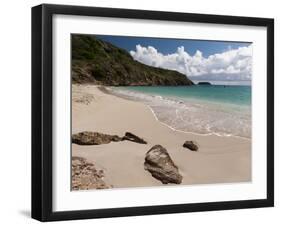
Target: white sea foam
(195, 116)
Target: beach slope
(219, 159)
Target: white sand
(219, 159)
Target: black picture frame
(42, 111)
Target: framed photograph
(145, 112)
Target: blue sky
(205, 59)
(168, 46)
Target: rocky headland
(98, 62)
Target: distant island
(204, 83)
(99, 62)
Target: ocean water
(224, 110)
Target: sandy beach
(219, 159)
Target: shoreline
(106, 91)
(219, 159)
(194, 133)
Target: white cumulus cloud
(233, 64)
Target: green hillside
(99, 62)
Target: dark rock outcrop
(191, 145)
(159, 163)
(94, 138)
(85, 175)
(99, 62)
(204, 83)
(133, 138)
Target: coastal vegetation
(99, 62)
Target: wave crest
(195, 116)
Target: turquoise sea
(224, 110)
